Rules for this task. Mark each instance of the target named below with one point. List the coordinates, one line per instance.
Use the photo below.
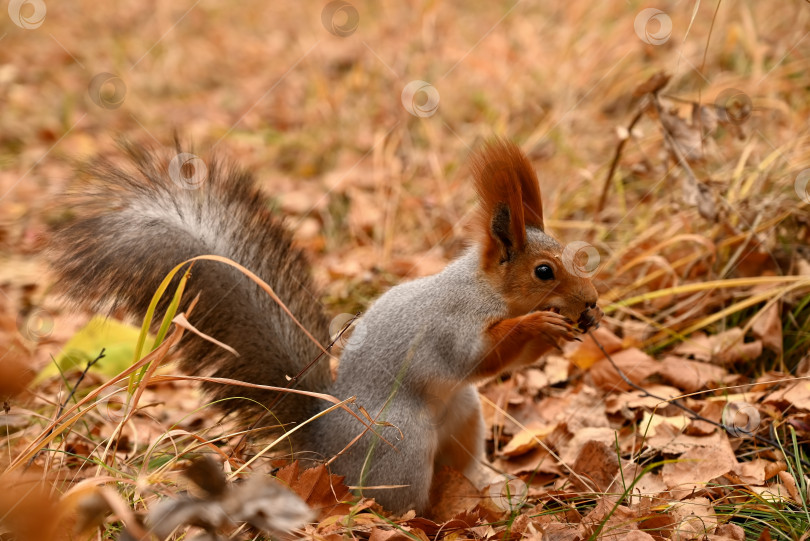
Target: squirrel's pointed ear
(510, 198)
(502, 232)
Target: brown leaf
(598, 463)
(616, 521)
(394, 534)
(637, 399)
(698, 346)
(650, 484)
(796, 395)
(697, 467)
(711, 410)
(790, 485)
(731, 532)
(450, 494)
(754, 472)
(325, 493)
(636, 365)
(694, 518)
(690, 376)
(571, 450)
(724, 348)
(670, 440)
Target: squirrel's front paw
(590, 319)
(554, 328)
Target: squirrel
(412, 360)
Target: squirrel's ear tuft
(509, 197)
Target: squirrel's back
(139, 220)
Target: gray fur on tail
(134, 219)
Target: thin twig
(90, 364)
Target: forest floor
(672, 143)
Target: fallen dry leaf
(526, 440)
(325, 493)
(796, 395)
(697, 466)
(598, 463)
(634, 363)
(639, 399)
(451, 494)
(754, 472)
(694, 518)
(688, 375)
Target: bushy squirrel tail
(137, 221)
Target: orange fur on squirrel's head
(529, 268)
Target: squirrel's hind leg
(461, 437)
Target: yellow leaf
(116, 338)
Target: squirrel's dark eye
(544, 272)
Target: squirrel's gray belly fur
(402, 363)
